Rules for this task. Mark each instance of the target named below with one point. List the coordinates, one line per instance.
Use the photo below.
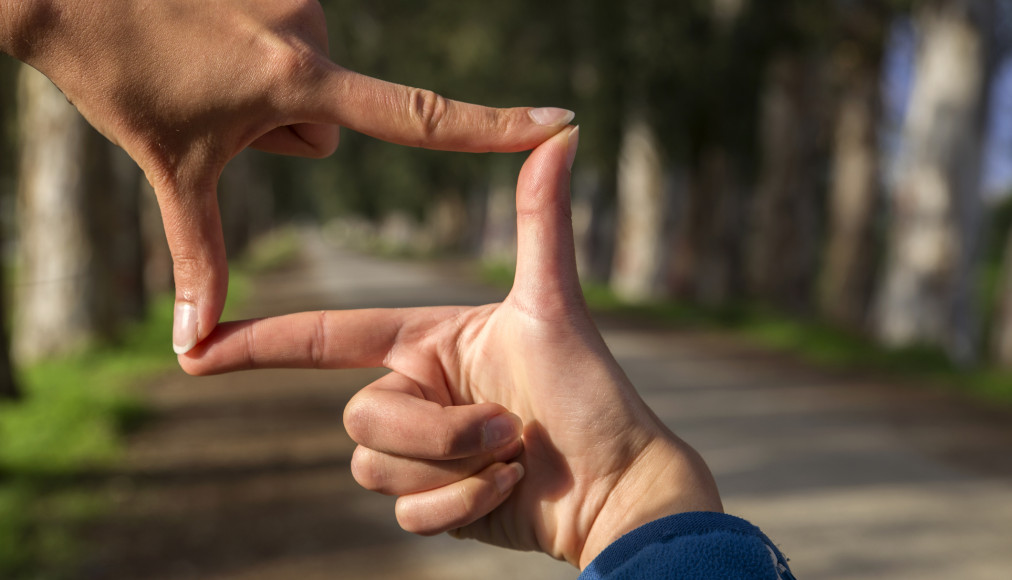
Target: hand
(598, 462)
(185, 85)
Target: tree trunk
(784, 241)
(55, 289)
(499, 238)
(246, 202)
(1001, 340)
(113, 189)
(848, 272)
(8, 386)
(927, 290)
(599, 58)
(80, 249)
(639, 254)
(706, 260)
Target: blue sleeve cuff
(699, 545)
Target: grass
(71, 424)
(810, 340)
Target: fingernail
(574, 144)
(501, 430)
(508, 476)
(551, 116)
(184, 327)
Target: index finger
(335, 339)
(421, 118)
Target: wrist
(668, 478)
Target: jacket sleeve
(698, 546)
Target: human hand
(598, 462)
(185, 85)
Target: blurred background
(827, 176)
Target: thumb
(546, 254)
(193, 231)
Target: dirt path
(246, 476)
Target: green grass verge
(811, 341)
(71, 424)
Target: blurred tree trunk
(8, 386)
(113, 189)
(784, 233)
(927, 292)
(639, 252)
(54, 313)
(1001, 339)
(848, 272)
(499, 235)
(246, 202)
(705, 265)
(598, 83)
(81, 258)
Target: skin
(594, 462)
(185, 85)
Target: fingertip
(551, 116)
(501, 430)
(574, 145)
(184, 327)
(508, 476)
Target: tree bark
(55, 290)
(848, 273)
(246, 202)
(706, 260)
(8, 386)
(926, 295)
(784, 240)
(81, 262)
(1001, 339)
(639, 252)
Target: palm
(472, 356)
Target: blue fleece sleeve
(697, 546)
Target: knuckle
(451, 443)
(317, 341)
(357, 419)
(427, 111)
(294, 64)
(410, 521)
(466, 500)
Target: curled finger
(394, 475)
(460, 504)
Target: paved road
(245, 477)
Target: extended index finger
(334, 339)
(421, 118)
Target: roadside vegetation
(61, 443)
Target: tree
(927, 292)
(848, 272)
(642, 208)
(81, 266)
(8, 385)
